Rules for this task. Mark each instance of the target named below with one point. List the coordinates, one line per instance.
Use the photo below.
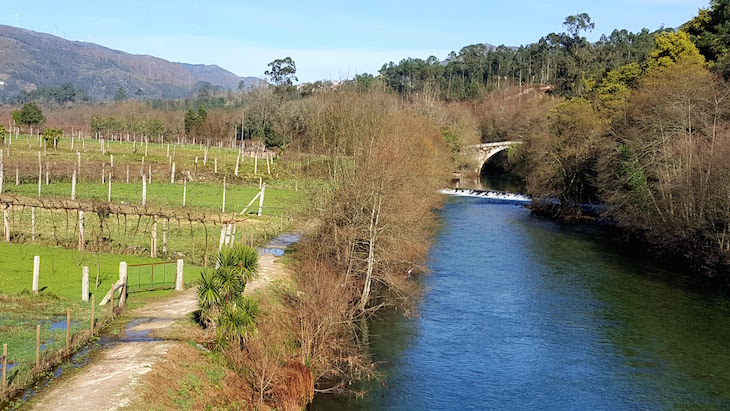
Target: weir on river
(522, 313)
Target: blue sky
(326, 39)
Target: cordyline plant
(221, 303)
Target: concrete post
(123, 271)
(32, 223)
(73, 186)
(223, 208)
(185, 191)
(85, 283)
(179, 276)
(123, 280)
(144, 190)
(172, 174)
(36, 273)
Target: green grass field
(60, 290)
(200, 196)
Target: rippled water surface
(521, 313)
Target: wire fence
(151, 276)
(129, 229)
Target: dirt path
(110, 380)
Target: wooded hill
(30, 61)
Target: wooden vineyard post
(268, 167)
(2, 174)
(109, 198)
(5, 367)
(238, 158)
(82, 241)
(256, 163)
(215, 166)
(40, 173)
(91, 324)
(68, 332)
(127, 173)
(38, 346)
(6, 223)
(164, 237)
(153, 240)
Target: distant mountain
(31, 60)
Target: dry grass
(191, 379)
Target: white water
(492, 195)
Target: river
(523, 313)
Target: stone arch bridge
(483, 152)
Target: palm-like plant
(209, 297)
(220, 295)
(243, 259)
(236, 322)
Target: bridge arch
(482, 153)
